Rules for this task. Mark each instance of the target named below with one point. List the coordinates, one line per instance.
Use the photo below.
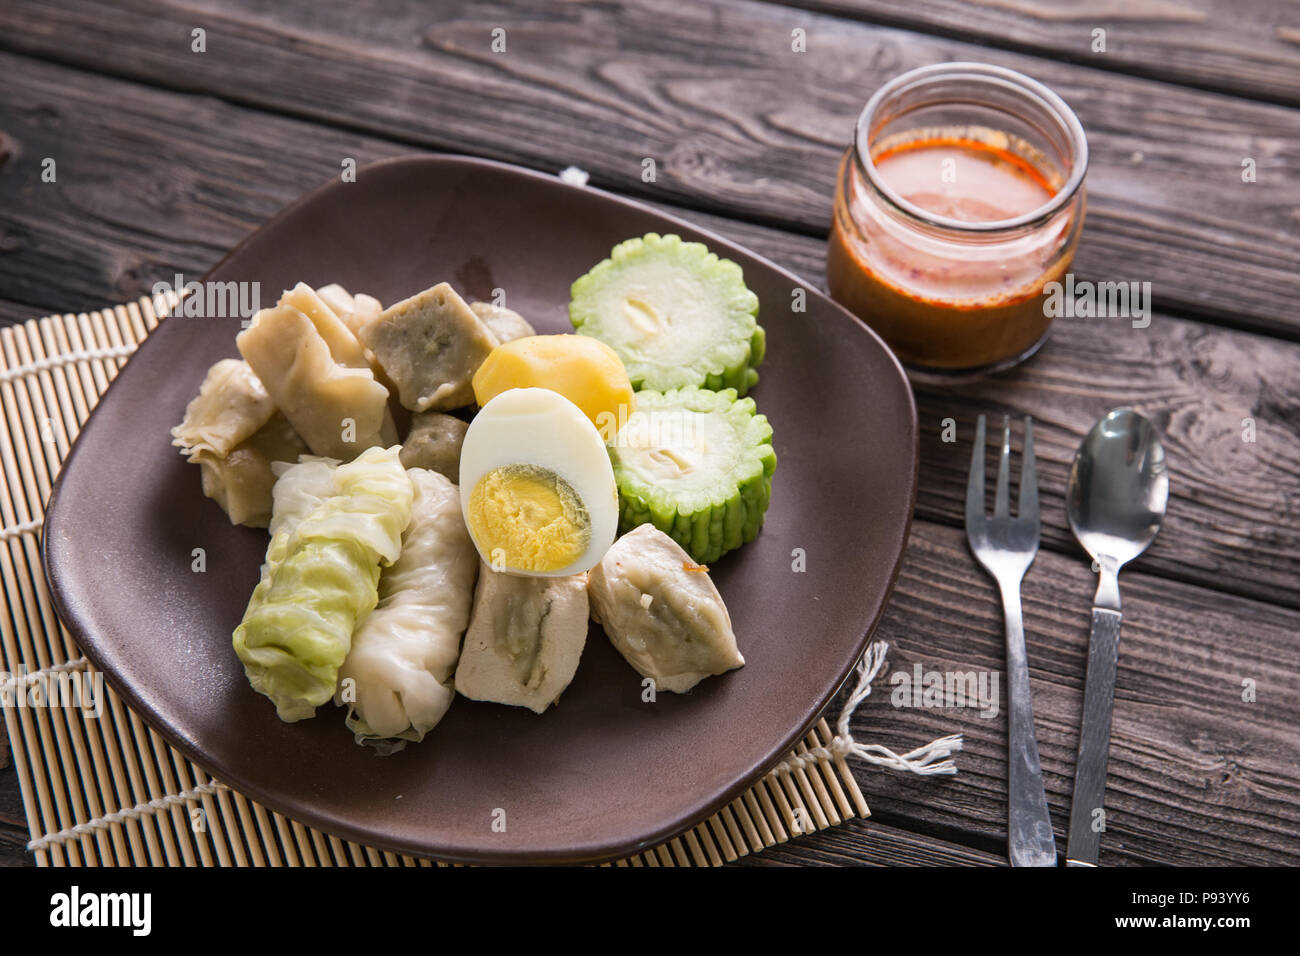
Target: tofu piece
(430, 346)
(525, 638)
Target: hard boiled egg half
(536, 486)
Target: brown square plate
(602, 774)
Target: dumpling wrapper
(526, 636)
(404, 654)
(321, 575)
(667, 620)
(356, 311)
(338, 409)
(434, 442)
(242, 481)
(506, 325)
(342, 341)
(430, 346)
(232, 405)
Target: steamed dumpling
(230, 407)
(404, 654)
(661, 611)
(233, 432)
(242, 481)
(336, 405)
(525, 639)
(506, 325)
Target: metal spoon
(1115, 501)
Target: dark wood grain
(1197, 774)
(736, 122)
(1234, 522)
(1250, 47)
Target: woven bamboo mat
(107, 790)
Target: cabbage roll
(321, 575)
(525, 639)
(661, 611)
(318, 391)
(403, 655)
(430, 345)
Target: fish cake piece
(430, 346)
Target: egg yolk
(527, 518)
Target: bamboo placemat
(107, 790)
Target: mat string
(67, 358)
(12, 683)
(22, 528)
(934, 758)
(43, 365)
(130, 813)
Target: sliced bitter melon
(676, 314)
(697, 464)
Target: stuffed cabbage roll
(506, 325)
(321, 576)
(525, 639)
(434, 443)
(661, 611)
(430, 345)
(338, 408)
(403, 655)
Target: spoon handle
(1087, 818)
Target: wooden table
(166, 157)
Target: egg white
(536, 426)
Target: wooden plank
(1248, 47)
(735, 121)
(1197, 775)
(1232, 523)
(860, 842)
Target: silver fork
(1006, 547)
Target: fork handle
(1086, 813)
(1029, 826)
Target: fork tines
(1027, 509)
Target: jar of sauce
(960, 199)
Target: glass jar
(960, 199)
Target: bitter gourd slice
(676, 314)
(697, 464)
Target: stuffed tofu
(525, 638)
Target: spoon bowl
(1118, 490)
